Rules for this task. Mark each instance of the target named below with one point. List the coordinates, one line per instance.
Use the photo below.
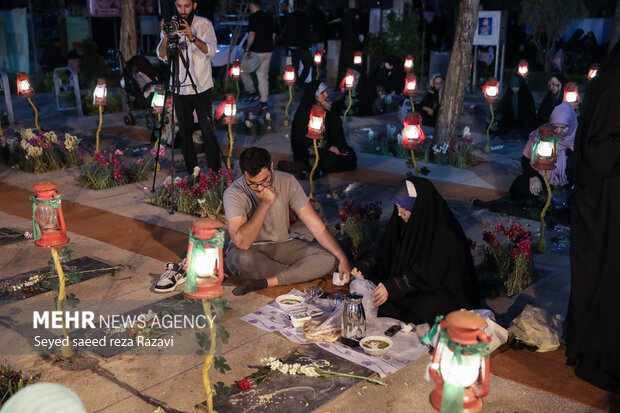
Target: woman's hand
(334, 149)
(428, 110)
(380, 295)
(535, 185)
(357, 273)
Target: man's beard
(189, 18)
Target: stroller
(138, 80)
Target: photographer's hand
(187, 31)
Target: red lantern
(408, 63)
(349, 80)
(289, 76)
(544, 152)
(571, 94)
(235, 71)
(593, 71)
(159, 99)
(205, 260)
(318, 58)
(48, 217)
(316, 124)
(23, 86)
(230, 110)
(413, 135)
(411, 85)
(522, 68)
(491, 90)
(357, 58)
(100, 93)
(469, 370)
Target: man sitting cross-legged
(262, 251)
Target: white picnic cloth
(407, 346)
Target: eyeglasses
(265, 183)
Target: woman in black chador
(592, 326)
(336, 155)
(515, 110)
(423, 265)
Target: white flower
(71, 142)
(168, 180)
(177, 180)
(118, 152)
(196, 171)
(466, 132)
(51, 136)
(248, 124)
(27, 235)
(267, 116)
(201, 201)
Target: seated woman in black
(515, 110)
(336, 155)
(430, 103)
(423, 265)
(554, 97)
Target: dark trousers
(305, 57)
(202, 103)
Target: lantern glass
(236, 70)
(463, 373)
(357, 58)
(492, 91)
(592, 73)
(289, 76)
(47, 218)
(571, 97)
(230, 109)
(349, 80)
(100, 92)
(316, 123)
(317, 58)
(545, 149)
(409, 63)
(158, 101)
(411, 85)
(206, 264)
(24, 85)
(411, 133)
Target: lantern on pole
(230, 112)
(318, 60)
(159, 100)
(316, 127)
(24, 89)
(460, 364)
(413, 135)
(593, 71)
(357, 58)
(99, 98)
(348, 83)
(522, 68)
(50, 232)
(205, 272)
(411, 86)
(235, 71)
(408, 63)
(491, 93)
(544, 157)
(571, 94)
(289, 78)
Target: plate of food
(289, 301)
(376, 345)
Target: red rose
(244, 384)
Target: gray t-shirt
(241, 201)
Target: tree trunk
(615, 31)
(458, 71)
(129, 39)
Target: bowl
(289, 301)
(376, 345)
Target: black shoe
(263, 106)
(253, 97)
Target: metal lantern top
(349, 80)
(49, 229)
(235, 71)
(289, 76)
(593, 71)
(159, 99)
(230, 110)
(411, 85)
(24, 89)
(205, 260)
(100, 93)
(523, 69)
(571, 93)
(544, 152)
(491, 90)
(318, 58)
(357, 58)
(408, 63)
(316, 123)
(412, 134)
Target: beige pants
(291, 262)
(259, 63)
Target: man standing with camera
(187, 43)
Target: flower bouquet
(506, 256)
(39, 152)
(109, 169)
(200, 193)
(360, 225)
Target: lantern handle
(61, 216)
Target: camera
(172, 25)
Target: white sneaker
(172, 276)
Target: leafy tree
(548, 19)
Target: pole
(237, 83)
(99, 128)
(68, 349)
(415, 164)
(411, 102)
(36, 114)
(487, 148)
(230, 146)
(541, 245)
(344, 120)
(206, 306)
(316, 163)
(160, 118)
(290, 99)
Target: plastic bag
(536, 327)
(499, 335)
(365, 288)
